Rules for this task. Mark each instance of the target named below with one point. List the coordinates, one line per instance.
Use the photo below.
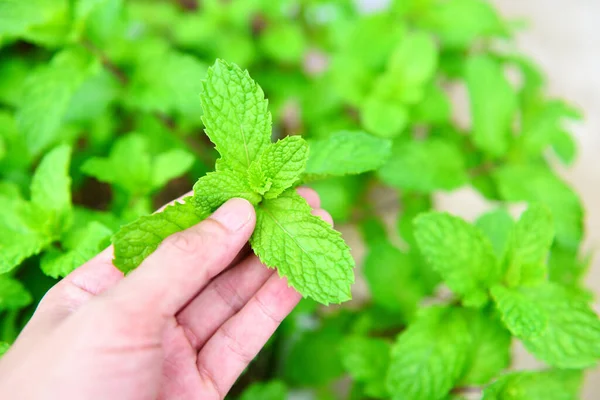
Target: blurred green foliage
(108, 90)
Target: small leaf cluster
(110, 109)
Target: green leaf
(462, 255)
(414, 60)
(435, 108)
(538, 185)
(424, 166)
(278, 167)
(24, 231)
(215, 188)
(528, 247)
(338, 195)
(347, 153)
(529, 385)
(497, 226)
(83, 245)
(367, 361)
(47, 95)
(235, 115)
(137, 240)
(555, 325)
(284, 32)
(493, 105)
(51, 187)
(4, 348)
(523, 317)
(169, 165)
(490, 347)
(424, 363)
(273, 390)
(131, 167)
(304, 248)
(13, 295)
(17, 16)
(167, 82)
(386, 270)
(383, 117)
(313, 359)
(461, 22)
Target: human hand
(181, 326)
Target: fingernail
(234, 214)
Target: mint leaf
(273, 390)
(307, 251)
(47, 94)
(425, 364)
(51, 188)
(169, 165)
(413, 62)
(82, 245)
(490, 347)
(462, 255)
(13, 295)
(4, 348)
(347, 153)
(536, 184)
(284, 32)
(215, 188)
(529, 385)
(386, 269)
(131, 167)
(166, 82)
(460, 22)
(367, 361)
(383, 117)
(523, 317)
(497, 226)
(424, 166)
(278, 167)
(554, 324)
(528, 247)
(138, 239)
(16, 16)
(493, 105)
(235, 115)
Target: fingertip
(310, 195)
(324, 215)
(235, 214)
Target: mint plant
(109, 110)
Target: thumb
(185, 262)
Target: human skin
(183, 325)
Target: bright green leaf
(424, 166)
(346, 153)
(426, 364)
(497, 226)
(533, 385)
(13, 295)
(539, 185)
(278, 167)
(235, 115)
(367, 361)
(137, 240)
(462, 255)
(493, 105)
(47, 94)
(554, 324)
(528, 247)
(304, 248)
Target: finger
(230, 291)
(185, 262)
(310, 195)
(222, 299)
(324, 215)
(77, 288)
(236, 343)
